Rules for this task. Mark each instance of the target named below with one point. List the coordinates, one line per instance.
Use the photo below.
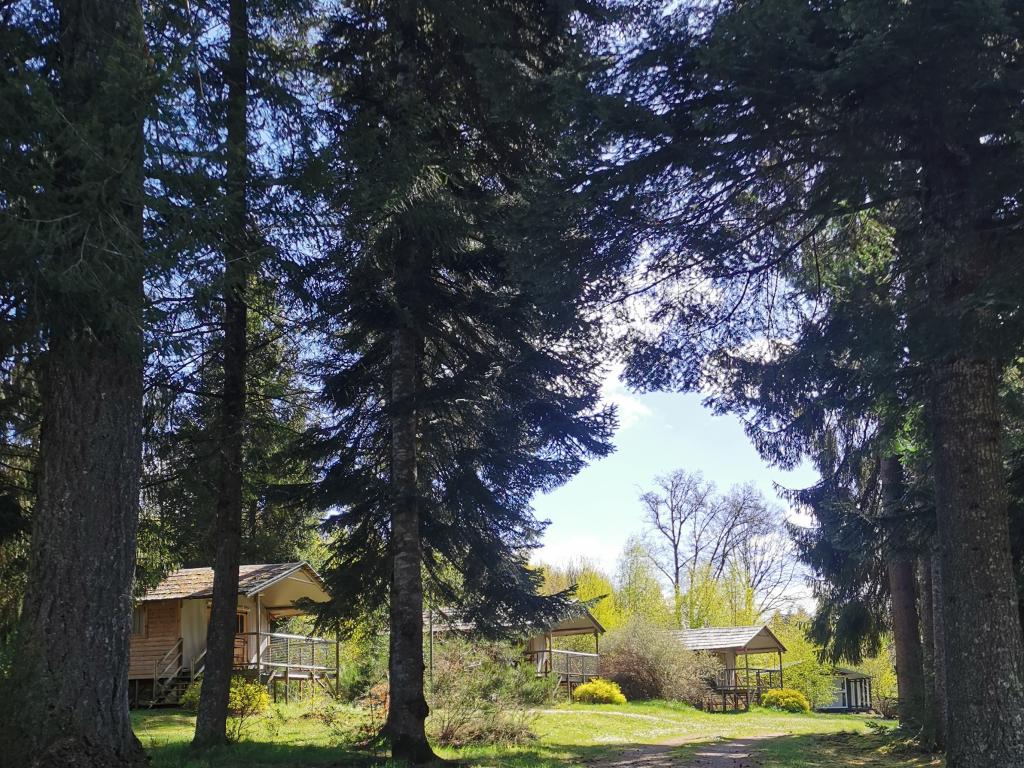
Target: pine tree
(788, 117)
(66, 701)
(231, 122)
(463, 376)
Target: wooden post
(781, 682)
(337, 668)
(259, 640)
(287, 667)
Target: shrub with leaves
(247, 698)
(364, 662)
(599, 692)
(649, 663)
(785, 700)
(479, 694)
(804, 669)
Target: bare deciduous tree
(693, 530)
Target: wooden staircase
(170, 690)
(170, 678)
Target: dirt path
(735, 753)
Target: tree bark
(66, 700)
(907, 642)
(982, 629)
(406, 723)
(903, 602)
(211, 721)
(926, 600)
(939, 654)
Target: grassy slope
(567, 736)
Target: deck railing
(570, 666)
(279, 651)
(747, 679)
(275, 656)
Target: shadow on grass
(845, 749)
(259, 754)
(166, 735)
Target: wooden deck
(270, 657)
(737, 688)
(570, 667)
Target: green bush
(247, 697)
(786, 700)
(190, 698)
(364, 662)
(479, 693)
(599, 691)
(649, 663)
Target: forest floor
(638, 735)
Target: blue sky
(599, 509)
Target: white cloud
(602, 552)
(631, 408)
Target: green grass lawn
(289, 737)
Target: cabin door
(241, 639)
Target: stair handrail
(161, 667)
(197, 669)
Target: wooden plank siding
(163, 628)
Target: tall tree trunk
(406, 723)
(979, 595)
(939, 654)
(926, 601)
(211, 722)
(981, 627)
(907, 642)
(903, 601)
(66, 701)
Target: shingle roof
(725, 638)
(853, 674)
(198, 582)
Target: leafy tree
(589, 585)
(803, 668)
(638, 592)
(228, 214)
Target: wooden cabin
(737, 685)
(168, 643)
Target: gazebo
(736, 683)
(571, 667)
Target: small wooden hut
(851, 692)
(571, 667)
(736, 685)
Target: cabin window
(240, 623)
(139, 621)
